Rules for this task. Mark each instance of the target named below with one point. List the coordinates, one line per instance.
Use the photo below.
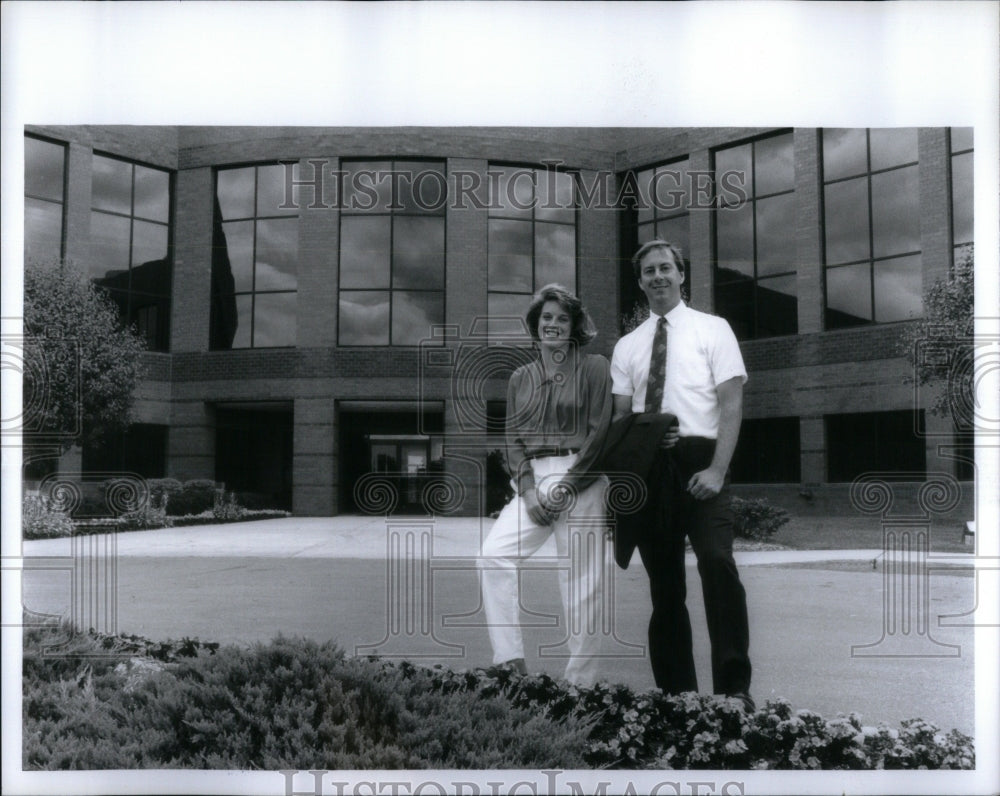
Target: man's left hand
(706, 484)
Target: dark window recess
(388, 442)
(142, 450)
(767, 452)
(874, 442)
(253, 455)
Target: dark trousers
(709, 525)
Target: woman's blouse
(556, 415)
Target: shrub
(92, 506)
(209, 518)
(40, 521)
(194, 497)
(143, 519)
(162, 492)
(756, 519)
(653, 730)
(287, 704)
(298, 704)
(226, 508)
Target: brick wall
(153, 145)
(192, 289)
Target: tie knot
(662, 321)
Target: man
(687, 363)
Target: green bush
(653, 730)
(146, 518)
(287, 704)
(210, 518)
(756, 518)
(194, 497)
(40, 521)
(162, 492)
(302, 705)
(91, 506)
(227, 509)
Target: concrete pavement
(828, 631)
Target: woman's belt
(541, 453)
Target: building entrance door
(404, 460)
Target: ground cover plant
(287, 704)
(96, 702)
(169, 503)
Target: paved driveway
(829, 631)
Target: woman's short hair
(582, 329)
(658, 243)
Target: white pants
(579, 535)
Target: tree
(940, 348)
(81, 365)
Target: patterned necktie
(657, 368)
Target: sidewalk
(367, 538)
(827, 629)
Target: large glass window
(130, 243)
(664, 198)
(532, 239)
(255, 259)
(961, 188)
(767, 452)
(392, 251)
(44, 198)
(871, 213)
(870, 442)
(755, 280)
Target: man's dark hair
(658, 243)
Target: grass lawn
(857, 532)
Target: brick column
(313, 478)
(192, 283)
(466, 243)
(935, 245)
(812, 441)
(319, 255)
(466, 306)
(700, 280)
(599, 270)
(935, 203)
(78, 195)
(191, 441)
(808, 230)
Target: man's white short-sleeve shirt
(702, 353)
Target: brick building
(325, 303)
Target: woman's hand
(556, 498)
(538, 513)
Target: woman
(558, 411)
